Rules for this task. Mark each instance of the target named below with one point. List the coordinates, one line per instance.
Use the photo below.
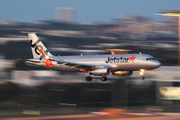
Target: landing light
(141, 73)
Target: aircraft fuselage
(119, 62)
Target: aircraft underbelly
(117, 67)
(67, 69)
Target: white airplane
(100, 65)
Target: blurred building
(140, 27)
(167, 83)
(33, 78)
(64, 14)
(7, 22)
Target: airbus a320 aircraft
(100, 65)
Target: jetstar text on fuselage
(119, 60)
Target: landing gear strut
(104, 78)
(142, 74)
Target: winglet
(112, 52)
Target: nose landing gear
(142, 77)
(142, 74)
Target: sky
(86, 11)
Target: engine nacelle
(123, 73)
(100, 71)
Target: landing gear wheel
(88, 78)
(142, 77)
(104, 79)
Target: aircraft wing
(76, 65)
(72, 64)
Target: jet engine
(123, 73)
(99, 71)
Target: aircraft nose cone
(156, 64)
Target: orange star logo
(132, 59)
(48, 63)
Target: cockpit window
(150, 59)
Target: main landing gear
(142, 74)
(104, 78)
(88, 78)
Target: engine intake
(99, 71)
(123, 73)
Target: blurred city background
(49, 92)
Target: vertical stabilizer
(37, 47)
